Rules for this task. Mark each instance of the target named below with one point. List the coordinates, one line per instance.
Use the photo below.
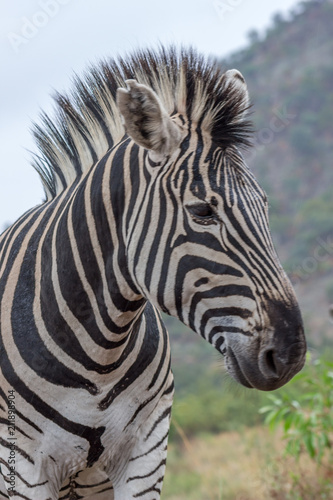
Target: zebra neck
(89, 268)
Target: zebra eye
(202, 213)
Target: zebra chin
(266, 368)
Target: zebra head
(200, 248)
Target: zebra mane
(87, 122)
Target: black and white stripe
(166, 216)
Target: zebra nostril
(268, 363)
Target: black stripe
(25, 333)
(5, 444)
(218, 292)
(225, 329)
(187, 264)
(152, 488)
(165, 414)
(26, 337)
(133, 478)
(220, 313)
(92, 435)
(157, 445)
(143, 360)
(19, 414)
(150, 399)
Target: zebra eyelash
(202, 213)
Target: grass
(247, 465)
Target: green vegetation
(307, 416)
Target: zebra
(149, 207)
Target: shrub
(307, 420)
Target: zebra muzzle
(270, 360)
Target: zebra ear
(235, 79)
(146, 120)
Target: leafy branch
(307, 420)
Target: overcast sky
(44, 41)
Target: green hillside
(289, 72)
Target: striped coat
(149, 206)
